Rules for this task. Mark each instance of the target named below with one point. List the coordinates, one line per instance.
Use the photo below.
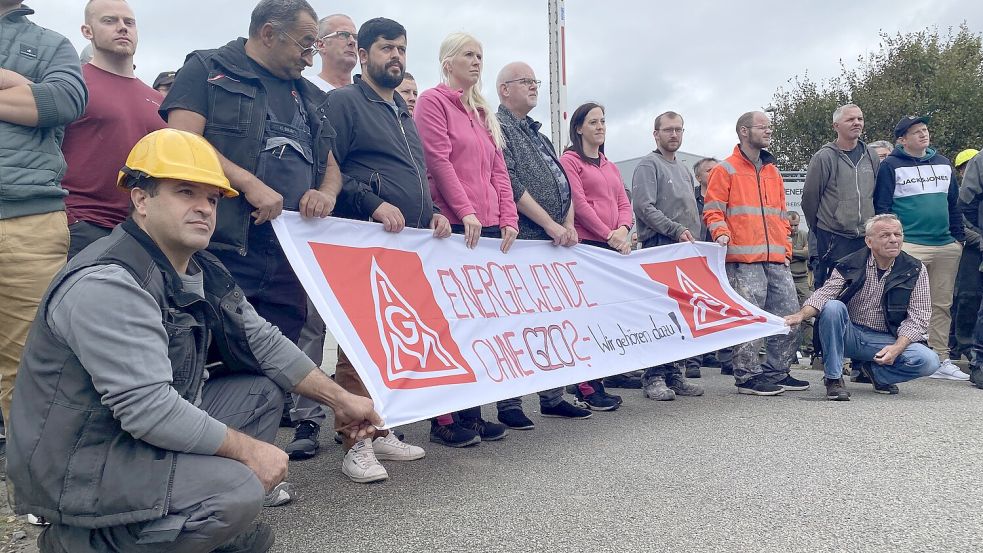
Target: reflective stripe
(715, 205)
(752, 250)
(727, 167)
(715, 226)
(754, 210)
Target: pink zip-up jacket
(466, 171)
(600, 203)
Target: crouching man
(875, 307)
(120, 437)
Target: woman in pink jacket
(462, 145)
(602, 212)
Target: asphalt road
(722, 472)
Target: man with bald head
(338, 50)
(745, 212)
(122, 109)
(542, 196)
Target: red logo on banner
(390, 302)
(703, 302)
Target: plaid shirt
(865, 307)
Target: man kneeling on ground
(120, 437)
(876, 307)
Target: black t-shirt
(190, 91)
(856, 153)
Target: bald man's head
(518, 89)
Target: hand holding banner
(433, 327)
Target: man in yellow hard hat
(969, 281)
(124, 441)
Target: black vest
(68, 457)
(897, 286)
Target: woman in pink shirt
(602, 212)
(462, 145)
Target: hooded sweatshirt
(838, 195)
(923, 193)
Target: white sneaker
(949, 371)
(281, 494)
(389, 448)
(361, 465)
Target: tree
(920, 73)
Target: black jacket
(235, 125)
(897, 289)
(380, 155)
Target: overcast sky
(710, 61)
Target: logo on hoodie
(391, 306)
(705, 305)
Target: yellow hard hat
(965, 155)
(179, 155)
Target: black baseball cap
(906, 122)
(165, 78)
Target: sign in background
(433, 327)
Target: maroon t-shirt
(121, 111)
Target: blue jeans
(840, 338)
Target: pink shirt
(600, 203)
(466, 171)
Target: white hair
(838, 112)
(882, 218)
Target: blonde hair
(472, 99)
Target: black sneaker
(727, 369)
(693, 372)
(488, 431)
(757, 388)
(710, 362)
(304, 444)
(836, 390)
(515, 418)
(453, 435)
(565, 410)
(600, 402)
(976, 376)
(880, 388)
(629, 381)
(598, 386)
(793, 384)
(257, 539)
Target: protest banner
(433, 327)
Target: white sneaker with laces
(949, 371)
(361, 464)
(389, 448)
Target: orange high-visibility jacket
(749, 207)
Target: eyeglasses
(673, 130)
(304, 50)
(525, 82)
(343, 35)
(765, 128)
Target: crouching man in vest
(119, 435)
(874, 307)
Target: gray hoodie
(838, 195)
(663, 199)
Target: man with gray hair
(542, 196)
(838, 193)
(338, 50)
(883, 148)
(875, 307)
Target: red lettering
(441, 274)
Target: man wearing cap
(124, 440)
(164, 81)
(121, 110)
(920, 187)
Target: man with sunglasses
(337, 47)
(274, 139)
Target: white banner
(433, 327)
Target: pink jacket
(466, 171)
(600, 203)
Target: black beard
(384, 78)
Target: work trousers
(32, 249)
(942, 263)
(213, 498)
(966, 303)
(768, 286)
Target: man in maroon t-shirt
(121, 110)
